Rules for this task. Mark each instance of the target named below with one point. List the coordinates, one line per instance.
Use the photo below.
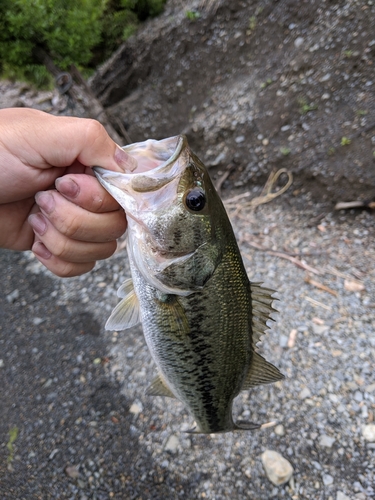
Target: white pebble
(278, 469)
(368, 432)
(171, 444)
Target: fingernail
(124, 160)
(38, 223)
(45, 201)
(67, 187)
(41, 250)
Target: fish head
(172, 207)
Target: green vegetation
(252, 23)
(13, 434)
(81, 33)
(348, 53)
(285, 151)
(345, 141)
(362, 112)
(265, 84)
(192, 15)
(306, 107)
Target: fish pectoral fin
(159, 388)
(126, 314)
(261, 372)
(126, 288)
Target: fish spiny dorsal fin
(126, 314)
(261, 372)
(261, 302)
(159, 388)
(125, 288)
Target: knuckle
(94, 129)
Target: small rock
(72, 471)
(171, 444)
(341, 496)
(305, 393)
(368, 432)
(239, 139)
(298, 42)
(135, 409)
(320, 329)
(279, 430)
(278, 469)
(327, 479)
(37, 321)
(1, 363)
(326, 441)
(283, 341)
(12, 297)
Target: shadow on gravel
(70, 426)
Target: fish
(201, 316)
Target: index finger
(59, 141)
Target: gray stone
(341, 496)
(326, 441)
(327, 479)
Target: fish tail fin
(245, 426)
(238, 426)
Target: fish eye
(195, 200)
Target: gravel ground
(75, 393)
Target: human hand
(70, 227)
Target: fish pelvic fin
(261, 372)
(127, 312)
(261, 305)
(159, 388)
(126, 288)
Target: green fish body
(200, 314)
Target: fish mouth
(152, 183)
(155, 164)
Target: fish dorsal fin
(261, 372)
(125, 288)
(159, 388)
(126, 314)
(261, 302)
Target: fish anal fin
(125, 315)
(159, 388)
(261, 372)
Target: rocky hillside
(256, 85)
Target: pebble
(1, 363)
(278, 469)
(171, 444)
(13, 296)
(327, 479)
(298, 42)
(305, 393)
(279, 430)
(341, 496)
(368, 432)
(326, 441)
(135, 409)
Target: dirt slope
(259, 85)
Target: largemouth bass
(201, 316)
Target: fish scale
(201, 316)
